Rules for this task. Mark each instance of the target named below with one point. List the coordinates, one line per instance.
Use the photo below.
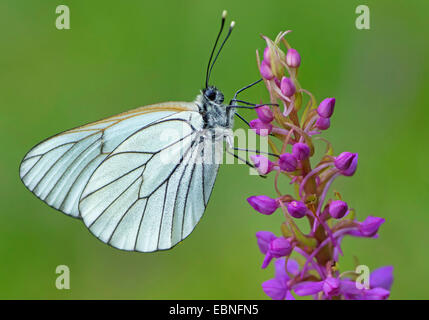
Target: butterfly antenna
(214, 47)
(220, 49)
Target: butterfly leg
(245, 102)
(246, 87)
(241, 118)
(245, 161)
(253, 105)
(230, 145)
(255, 151)
(235, 97)
(229, 148)
(235, 100)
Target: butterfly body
(215, 114)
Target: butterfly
(135, 187)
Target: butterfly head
(211, 94)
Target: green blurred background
(120, 55)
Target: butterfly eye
(213, 94)
(210, 94)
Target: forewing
(58, 169)
(152, 190)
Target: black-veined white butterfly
(113, 173)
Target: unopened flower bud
(280, 247)
(369, 227)
(326, 108)
(288, 162)
(293, 59)
(264, 238)
(262, 164)
(265, 70)
(297, 209)
(267, 55)
(346, 162)
(287, 87)
(265, 114)
(261, 128)
(338, 209)
(301, 151)
(263, 204)
(323, 123)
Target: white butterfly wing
(58, 169)
(152, 190)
